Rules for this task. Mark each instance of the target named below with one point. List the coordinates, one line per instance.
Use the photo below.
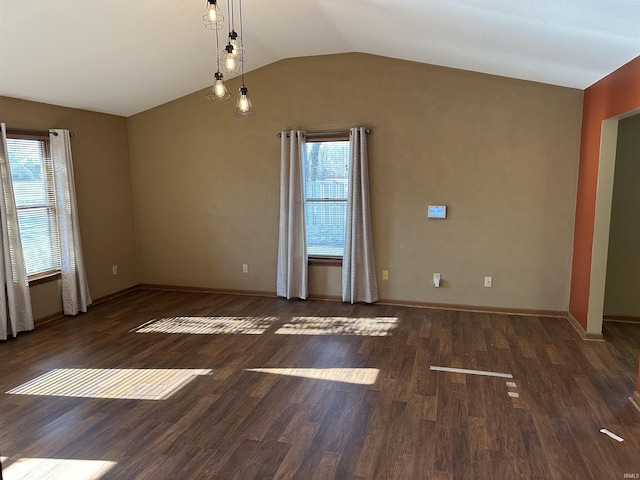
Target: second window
(326, 165)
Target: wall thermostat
(437, 211)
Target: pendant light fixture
(243, 106)
(234, 41)
(212, 17)
(218, 92)
(230, 60)
(232, 53)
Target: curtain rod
(24, 131)
(323, 134)
(71, 134)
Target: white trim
(602, 220)
(471, 372)
(612, 435)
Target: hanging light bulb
(244, 107)
(211, 10)
(212, 18)
(219, 92)
(234, 41)
(230, 62)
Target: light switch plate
(437, 211)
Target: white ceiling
(125, 56)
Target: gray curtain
(292, 279)
(75, 289)
(15, 300)
(358, 266)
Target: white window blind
(326, 184)
(33, 186)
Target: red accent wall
(615, 94)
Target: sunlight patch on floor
(56, 468)
(359, 376)
(207, 325)
(363, 326)
(132, 384)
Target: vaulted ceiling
(125, 56)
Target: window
(326, 166)
(33, 187)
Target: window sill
(43, 277)
(325, 261)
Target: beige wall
(502, 154)
(623, 261)
(103, 186)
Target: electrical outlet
(488, 281)
(385, 274)
(245, 268)
(436, 280)
(114, 270)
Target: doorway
(602, 223)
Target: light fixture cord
(241, 43)
(217, 52)
(230, 15)
(233, 16)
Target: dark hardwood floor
(248, 387)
